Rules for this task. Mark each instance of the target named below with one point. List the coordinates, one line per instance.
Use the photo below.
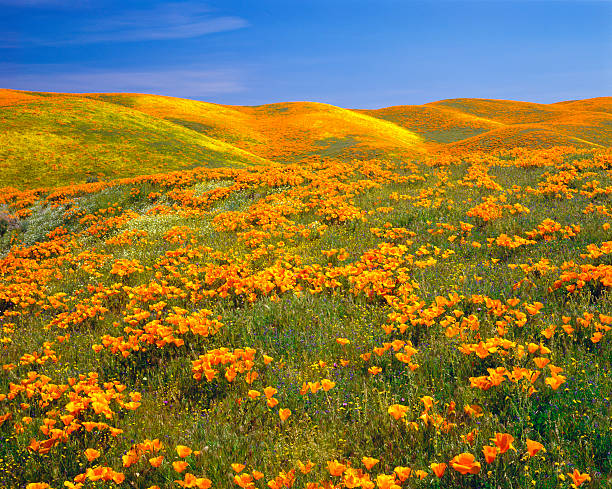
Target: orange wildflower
(402, 473)
(305, 468)
(384, 481)
(438, 469)
(156, 461)
(179, 466)
(397, 411)
(503, 442)
(428, 402)
(579, 478)
(490, 453)
(183, 451)
(92, 454)
(534, 447)
(375, 370)
(465, 463)
(369, 462)
(336, 468)
(284, 413)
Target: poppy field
(369, 314)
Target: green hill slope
(49, 140)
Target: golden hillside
(52, 139)
(482, 124)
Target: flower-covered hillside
(372, 323)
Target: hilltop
(52, 139)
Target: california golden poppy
(438, 468)
(465, 463)
(490, 453)
(336, 468)
(92, 454)
(284, 413)
(533, 447)
(369, 462)
(183, 451)
(397, 411)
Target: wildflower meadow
(331, 299)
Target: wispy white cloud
(189, 82)
(169, 20)
(178, 20)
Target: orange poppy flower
(305, 468)
(490, 453)
(92, 454)
(284, 413)
(251, 376)
(503, 442)
(270, 391)
(402, 473)
(469, 438)
(327, 384)
(369, 462)
(183, 451)
(534, 447)
(438, 469)
(397, 411)
(156, 461)
(428, 402)
(336, 468)
(384, 481)
(179, 466)
(579, 478)
(203, 483)
(465, 463)
(238, 467)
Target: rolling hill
(53, 139)
(481, 124)
(56, 139)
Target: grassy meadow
(346, 312)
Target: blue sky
(350, 53)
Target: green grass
(47, 143)
(299, 330)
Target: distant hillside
(289, 131)
(474, 124)
(52, 139)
